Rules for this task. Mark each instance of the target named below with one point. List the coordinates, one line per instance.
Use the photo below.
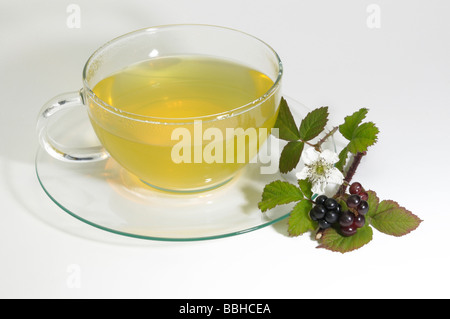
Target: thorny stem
(348, 177)
(310, 144)
(323, 139)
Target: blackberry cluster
(351, 220)
(326, 211)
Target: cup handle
(59, 103)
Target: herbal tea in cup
(182, 107)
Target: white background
(400, 71)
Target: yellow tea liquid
(158, 96)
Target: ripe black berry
(326, 211)
(353, 201)
(359, 221)
(332, 216)
(318, 212)
(346, 219)
(348, 231)
(363, 207)
(321, 199)
(351, 220)
(331, 203)
(324, 224)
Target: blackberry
(326, 211)
(363, 207)
(332, 216)
(353, 201)
(321, 199)
(349, 223)
(346, 219)
(331, 203)
(354, 218)
(318, 212)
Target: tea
(171, 93)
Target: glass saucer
(105, 196)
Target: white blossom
(320, 170)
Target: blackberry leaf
(279, 193)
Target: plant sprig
(297, 136)
(386, 216)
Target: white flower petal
(329, 156)
(310, 156)
(319, 169)
(318, 188)
(303, 173)
(335, 176)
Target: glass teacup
(182, 107)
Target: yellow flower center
(320, 169)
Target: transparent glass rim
(184, 120)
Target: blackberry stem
(319, 234)
(323, 139)
(350, 173)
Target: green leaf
(373, 202)
(342, 159)
(364, 136)
(361, 136)
(352, 122)
(299, 221)
(305, 187)
(278, 193)
(334, 241)
(392, 219)
(343, 204)
(313, 123)
(290, 156)
(286, 124)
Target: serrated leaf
(392, 219)
(290, 156)
(351, 123)
(299, 221)
(364, 136)
(342, 159)
(286, 124)
(334, 241)
(305, 187)
(313, 123)
(373, 202)
(278, 193)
